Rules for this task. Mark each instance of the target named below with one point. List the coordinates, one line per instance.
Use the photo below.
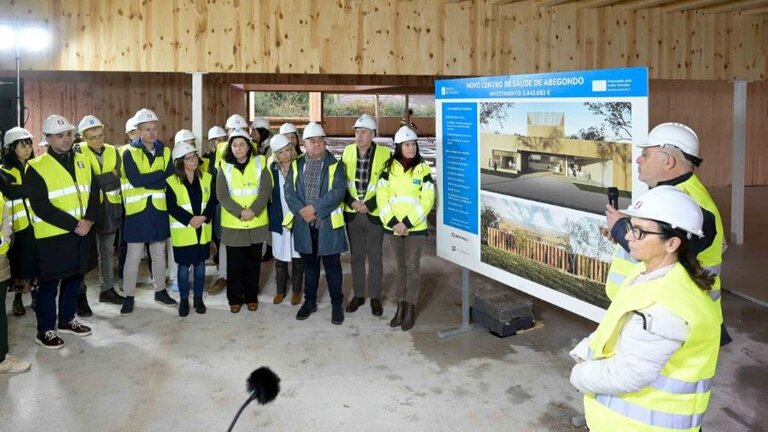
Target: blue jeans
(183, 279)
(46, 301)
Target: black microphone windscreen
(264, 385)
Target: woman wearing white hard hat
(18, 150)
(283, 248)
(242, 187)
(217, 142)
(651, 361)
(191, 204)
(289, 130)
(405, 195)
(217, 135)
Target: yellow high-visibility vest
(135, 198)
(337, 215)
(4, 245)
(406, 194)
(244, 189)
(109, 161)
(185, 235)
(678, 399)
(380, 157)
(18, 208)
(65, 193)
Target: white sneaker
(14, 365)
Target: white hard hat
(43, 143)
(16, 133)
(130, 125)
(216, 132)
(365, 121)
(181, 149)
(676, 135)
(313, 130)
(405, 134)
(288, 128)
(183, 136)
(145, 115)
(88, 122)
(671, 205)
(56, 124)
(278, 142)
(260, 122)
(239, 132)
(236, 121)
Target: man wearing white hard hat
(283, 247)
(364, 161)
(315, 195)
(105, 162)
(62, 194)
(146, 165)
(649, 365)
(670, 155)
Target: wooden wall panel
(419, 37)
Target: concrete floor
(154, 371)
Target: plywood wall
(419, 37)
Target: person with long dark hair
(18, 151)
(242, 187)
(191, 204)
(651, 361)
(405, 196)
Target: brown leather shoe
(376, 308)
(279, 297)
(235, 308)
(355, 303)
(409, 317)
(296, 299)
(217, 286)
(253, 306)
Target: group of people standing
(67, 206)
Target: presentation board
(524, 164)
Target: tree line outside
(296, 104)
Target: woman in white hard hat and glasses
(651, 361)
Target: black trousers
(243, 269)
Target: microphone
(263, 385)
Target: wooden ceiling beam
(587, 4)
(742, 6)
(643, 4)
(547, 3)
(756, 11)
(692, 4)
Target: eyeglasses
(647, 153)
(190, 157)
(639, 233)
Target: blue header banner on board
(609, 83)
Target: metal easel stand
(466, 293)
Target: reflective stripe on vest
(135, 198)
(65, 193)
(337, 215)
(678, 398)
(244, 189)
(18, 208)
(185, 235)
(379, 157)
(4, 245)
(109, 163)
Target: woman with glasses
(191, 203)
(18, 151)
(649, 365)
(243, 189)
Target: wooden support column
(316, 107)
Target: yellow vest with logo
(109, 163)
(406, 194)
(4, 245)
(17, 209)
(379, 158)
(135, 198)
(65, 193)
(710, 258)
(185, 235)
(337, 215)
(678, 399)
(244, 189)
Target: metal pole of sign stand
(466, 293)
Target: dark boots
(199, 305)
(398, 318)
(409, 317)
(83, 309)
